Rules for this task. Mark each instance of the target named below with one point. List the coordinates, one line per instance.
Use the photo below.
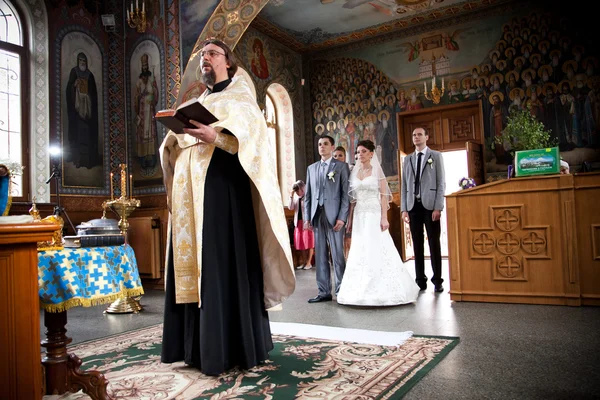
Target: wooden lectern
(526, 240)
(20, 367)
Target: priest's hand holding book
(191, 115)
(204, 133)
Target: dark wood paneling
(450, 127)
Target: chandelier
(137, 18)
(435, 94)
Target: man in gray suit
(326, 205)
(423, 186)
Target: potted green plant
(524, 132)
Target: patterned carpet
(299, 368)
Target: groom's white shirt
(327, 162)
(424, 151)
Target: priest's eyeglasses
(210, 53)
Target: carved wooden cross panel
(509, 243)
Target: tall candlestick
(123, 180)
(111, 186)
(130, 186)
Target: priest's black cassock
(231, 328)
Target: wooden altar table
(80, 277)
(526, 240)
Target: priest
(229, 256)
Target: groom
(326, 204)
(423, 186)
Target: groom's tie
(321, 182)
(418, 177)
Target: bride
(375, 274)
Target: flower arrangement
(466, 183)
(8, 169)
(14, 168)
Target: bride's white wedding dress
(375, 274)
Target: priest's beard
(209, 78)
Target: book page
(187, 103)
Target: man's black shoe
(320, 298)
(423, 288)
(439, 288)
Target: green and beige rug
(298, 368)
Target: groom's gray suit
(330, 185)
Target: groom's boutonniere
(430, 162)
(331, 176)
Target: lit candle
(131, 186)
(111, 186)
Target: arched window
(271, 117)
(14, 126)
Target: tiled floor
(505, 352)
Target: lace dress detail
(375, 274)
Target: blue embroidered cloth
(86, 276)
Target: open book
(179, 118)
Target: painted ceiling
(306, 25)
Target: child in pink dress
(304, 239)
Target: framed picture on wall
(147, 97)
(81, 110)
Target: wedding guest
(348, 233)
(355, 160)
(340, 154)
(423, 186)
(304, 239)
